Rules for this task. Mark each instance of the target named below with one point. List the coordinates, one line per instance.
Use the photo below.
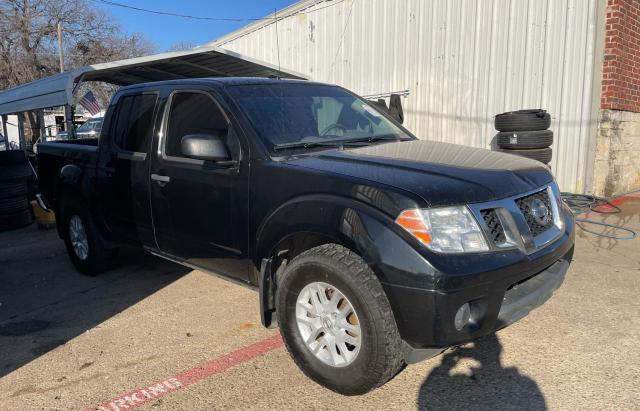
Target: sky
(166, 31)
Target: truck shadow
(44, 302)
(489, 386)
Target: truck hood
(440, 173)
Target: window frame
(165, 124)
(122, 152)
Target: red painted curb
(139, 397)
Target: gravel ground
(73, 342)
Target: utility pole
(60, 52)
(68, 119)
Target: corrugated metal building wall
(463, 61)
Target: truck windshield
(294, 116)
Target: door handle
(162, 180)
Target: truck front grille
(528, 221)
(537, 211)
(496, 231)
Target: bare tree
(28, 38)
(29, 42)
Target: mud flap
(267, 291)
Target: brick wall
(617, 161)
(621, 67)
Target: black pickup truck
(372, 249)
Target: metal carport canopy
(205, 61)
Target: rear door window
(134, 122)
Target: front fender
(384, 246)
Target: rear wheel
(336, 321)
(84, 245)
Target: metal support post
(21, 137)
(43, 129)
(4, 132)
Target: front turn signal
(413, 222)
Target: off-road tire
(525, 139)
(98, 259)
(381, 354)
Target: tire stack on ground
(15, 172)
(525, 133)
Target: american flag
(90, 103)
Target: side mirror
(204, 147)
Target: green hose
(585, 203)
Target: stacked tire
(525, 133)
(15, 172)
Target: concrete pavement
(73, 342)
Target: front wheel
(336, 321)
(83, 242)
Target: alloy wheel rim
(328, 324)
(78, 237)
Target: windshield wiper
(307, 144)
(374, 139)
(337, 142)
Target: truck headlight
(444, 230)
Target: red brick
(621, 65)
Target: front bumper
(532, 293)
(500, 288)
(517, 302)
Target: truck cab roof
(222, 81)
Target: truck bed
(53, 156)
